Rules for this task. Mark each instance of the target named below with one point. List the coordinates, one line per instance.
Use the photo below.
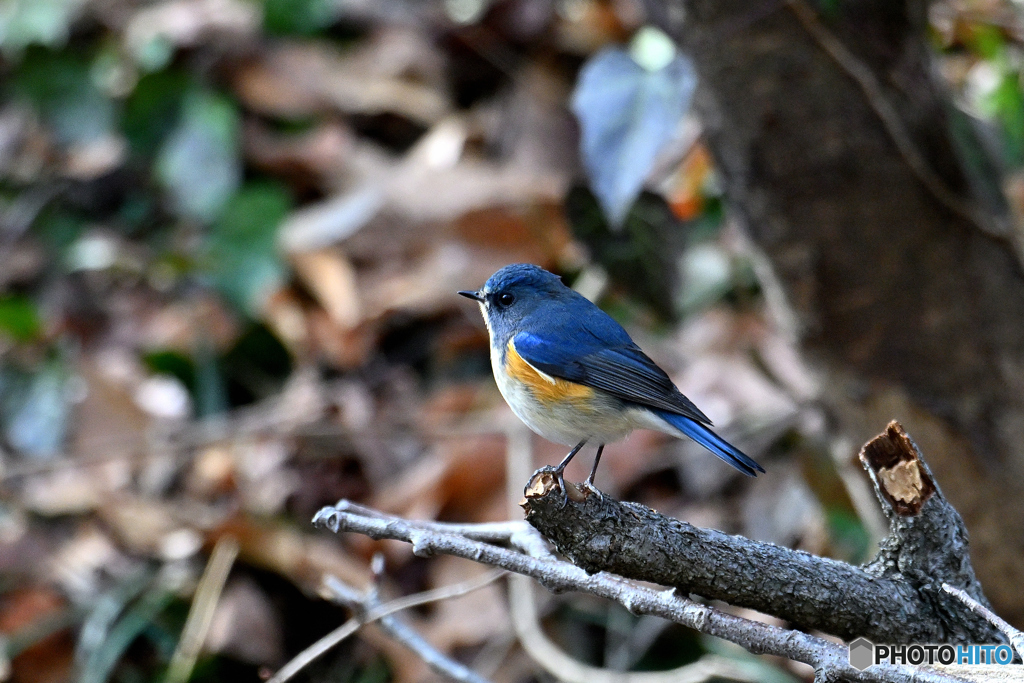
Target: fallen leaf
(48, 660)
(329, 275)
(295, 80)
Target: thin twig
(371, 613)
(306, 657)
(439, 663)
(754, 636)
(519, 534)
(402, 632)
(1015, 637)
(434, 595)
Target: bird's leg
(560, 469)
(572, 454)
(589, 483)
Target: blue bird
(573, 374)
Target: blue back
(561, 333)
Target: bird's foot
(589, 489)
(558, 474)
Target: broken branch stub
(900, 476)
(927, 543)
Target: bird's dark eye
(506, 299)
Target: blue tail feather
(703, 435)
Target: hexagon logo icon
(862, 654)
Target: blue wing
(587, 347)
(703, 435)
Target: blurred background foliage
(230, 236)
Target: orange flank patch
(545, 388)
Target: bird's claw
(558, 474)
(561, 485)
(588, 486)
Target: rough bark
(899, 295)
(897, 598)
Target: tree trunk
(904, 297)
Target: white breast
(600, 421)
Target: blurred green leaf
(153, 108)
(199, 163)
(18, 318)
(172, 363)
(243, 245)
(376, 671)
(640, 256)
(43, 22)
(652, 49)
(61, 87)
(707, 275)
(58, 229)
(155, 54)
(202, 376)
(986, 40)
(982, 153)
(210, 395)
(254, 368)
(757, 668)
(1007, 104)
(301, 17)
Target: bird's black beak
(475, 296)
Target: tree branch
(897, 598)
(559, 576)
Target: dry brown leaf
(329, 275)
(340, 348)
(302, 558)
(783, 510)
(446, 407)
(212, 472)
(151, 527)
(295, 80)
(285, 314)
(108, 420)
(82, 565)
(459, 475)
(589, 26)
(429, 193)
(203, 320)
(75, 491)
(96, 158)
(309, 160)
(428, 283)
(49, 660)
(623, 463)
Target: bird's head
(514, 292)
